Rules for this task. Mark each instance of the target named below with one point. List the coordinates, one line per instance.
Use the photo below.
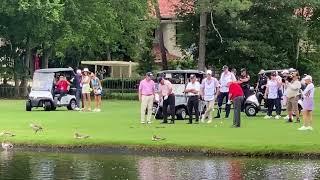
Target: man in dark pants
(77, 84)
(225, 78)
(236, 96)
(166, 94)
(192, 90)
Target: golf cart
(43, 86)
(179, 80)
(252, 106)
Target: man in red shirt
(62, 87)
(236, 96)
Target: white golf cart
(42, 91)
(179, 80)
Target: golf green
(118, 124)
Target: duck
(6, 133)
(157, 138)
(36, 127)
(80, 136)
(7, 145)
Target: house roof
(168, 7)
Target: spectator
(97, 91)
(293, 89)
(244, 81)
(261, 86)
(62, 87)
(78, 85)
(192, 90)
(166, 94)
(308, 104)
(146, 97)
(209, 90)
(86, 90)
(272, 96)
(236, 96)
(225, 78)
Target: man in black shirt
(261, 85)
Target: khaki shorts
(292, 104)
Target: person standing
(208, 92)
(236, 96)
(78, 85)
(292, 94)
(86, 90)
(307, 103)
(244, 81)
(167, 95)
(225, 78)
(261, 86)
(272, 96)
(192, 90)
(97, 91)
(146, 97)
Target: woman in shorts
(97, 90)
(86, 90)
(308, 104)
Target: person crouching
(192, 90)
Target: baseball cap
(308, 77)
(225, 67)
(273, 74)
(160, 79)
(243, 69)
(192, 76)
(79, 71)
(86, 70)
(209, 72)
(285, 72)
(149, 74)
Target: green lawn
(118, 124)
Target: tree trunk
(108, 53)
(161, 40)
(45, 59)
(202, 40)
(25, 77)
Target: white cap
(308, 77)
(285, 72)
(79, 71)
(85, 70)
(209, 72)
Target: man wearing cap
(166, 94)
(78, 85)
(261, 85)
(293, 89)
(146, 97)
(209, 89)
(244, 82)
(236, 96)
(225, 78)
(192, 90)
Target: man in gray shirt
(293, 91)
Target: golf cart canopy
(279, 71)
(53, 70)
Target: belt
(147, 94)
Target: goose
(157, 138)
(36, 127)
(6, 145)
(8, 134)
(80, 136)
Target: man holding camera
(293, 88)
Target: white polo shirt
(209, 88)
(273, 89)
(195, 85)
(225, 79)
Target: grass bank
(117, 126)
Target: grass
(118, 124)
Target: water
(46, 166)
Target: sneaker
(202, 119)
(277, 117)
(286, 118)
(142, 122)
(94, 110)
(309, 128)
(89, 109)
(58, 103)
(267, 117)
(98, 110)
(149, 122)
(210, 121)
(303, 128)
(77, 109)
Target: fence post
(122, 86)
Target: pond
(48, 165)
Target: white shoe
(267, 117)
(89, 109)
(277, 117)
(142, 122)
(98, 110)
(202, 119)
(286, 118)
(210, 121)
(77, 109)
(303, 128)
(309, 128)
(58, 103)
(149, 122)
(94, 110)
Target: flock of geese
(6, 145)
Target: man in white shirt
(225, 78)
(193, 90)
(209, 90)
(272, 96)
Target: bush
(120, 83)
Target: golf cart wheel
(28, 106)
(181, 113)
(72, 105)
(47, 106)
(251, 110)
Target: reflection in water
(32, 165)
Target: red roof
(168, 7)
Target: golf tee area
(118, 125)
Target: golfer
(308, 104)
(146, 97)
(86, 90)
(193, 90)
(236, 96)
(97, 91)
(225, 78)
(292, 94)
(167, 95)
(209, 90)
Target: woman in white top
(86, 90)
(272, 96)
(308, 104)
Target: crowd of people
(85, 83)
(275, 90)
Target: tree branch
(215, 28)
